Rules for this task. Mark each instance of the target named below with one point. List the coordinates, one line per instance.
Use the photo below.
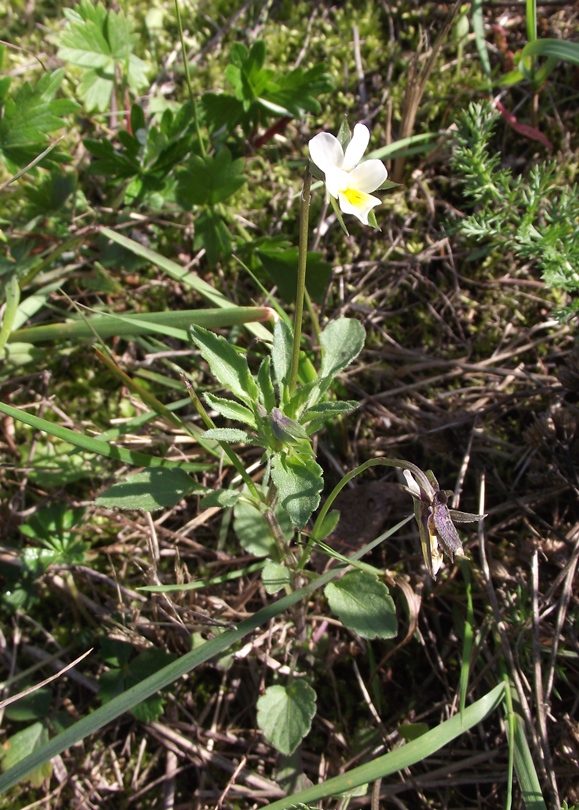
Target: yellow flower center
(354, 197)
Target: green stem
(301, 286)
(188, 80)
(373, 462)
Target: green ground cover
(229, 576)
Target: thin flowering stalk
(301, 284)
(434, 519)
(188, 80)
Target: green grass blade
(409, 754)
(398, 148)
(171, 324)
(159, 680)
(531, 15)
(511, 728)
(132, 457)
(177, 272)
(12, 298)
(34, 303)
(525, 768)
(205, 583)
(478, 26)
(468, 638)
(558, 48)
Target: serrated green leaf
(230, 409)
(281, 353)
(325, 410)
(29, 115)
(227, 365)
(342, 341)
(299, 483)
(212, 235)
(118, 680)
(275, 576)
(209, 180)
(284, 714)
(362, 604)
(281, 265)
(101, 42)
(232, 435)
(154, 488)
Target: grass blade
(12, 299)
(179, 273)
(101, 448)
(171, 324)
(468, 638)
(525, 768)
(169, 674)
(478, 26)
(394, 761)
(557, 48)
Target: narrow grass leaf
(478, 26)
(558, 48)
(101, 448)
(526, 771)
(12, 292)
(149, 686)
(401, 758)
(177, 272)
(170, 324)
(468, 634)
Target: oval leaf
(155, 488)
(227, 365)
(342, 341)
(233, 435)
(361, 602)
(299, 484)
(253, 532)
(274, 577)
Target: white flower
(348, 180)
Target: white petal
(326, 152)
(356, 148)
(336, 180)
(357, 203)
(412, 485)
(368, 176)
